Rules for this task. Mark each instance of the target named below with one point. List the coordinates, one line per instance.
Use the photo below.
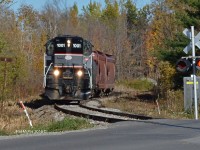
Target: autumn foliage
(146, 42)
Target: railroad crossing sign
(194, 41)
(188, 33)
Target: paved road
(135, 135)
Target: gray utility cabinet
(189, 92)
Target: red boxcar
(103, 72)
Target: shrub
(137, 84)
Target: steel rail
(106, 116)
(122, 114)
(89, 116)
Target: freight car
(72, 69)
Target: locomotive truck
(73, 70)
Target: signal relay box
(189, 92)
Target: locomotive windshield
(69, 45)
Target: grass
(139, 99)
(135, 97)
(136, 106)
(137, 84)
(67, 124)
(4, 133)
(14, 121)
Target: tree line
(146, 42)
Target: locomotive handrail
(44, 85)
(89, 73)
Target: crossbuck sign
(187, 33)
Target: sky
(39, 4)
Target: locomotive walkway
(159, 134)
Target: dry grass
(144, 103)
(42, 114)
(12, 117)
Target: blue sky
(39, 4)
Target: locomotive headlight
(56, 72)
(68, 43)
(79, 73)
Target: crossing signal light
(198, 63)
(183, 65)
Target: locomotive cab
(67, 68)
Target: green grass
(4, 133)
(67, 124)
(137, 84)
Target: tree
(165, 40)
(5, 2)
(111, 13)
(92, 10)
(73, 13)
(131, 14)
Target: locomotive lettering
(76, 45)
(60, 45)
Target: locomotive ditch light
(56, 72)
(183, 65)
(79, 73)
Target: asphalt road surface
(135, 135)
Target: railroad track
(98, 114)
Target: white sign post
(195, 41)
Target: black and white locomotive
(73, 69)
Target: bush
(137, 84)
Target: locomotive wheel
(97, 93)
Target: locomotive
(72, 69)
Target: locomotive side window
(77, 46)
(50, 48)
(60, 45)
(87, 48)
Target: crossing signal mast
(185, 64)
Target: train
(72, 69)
